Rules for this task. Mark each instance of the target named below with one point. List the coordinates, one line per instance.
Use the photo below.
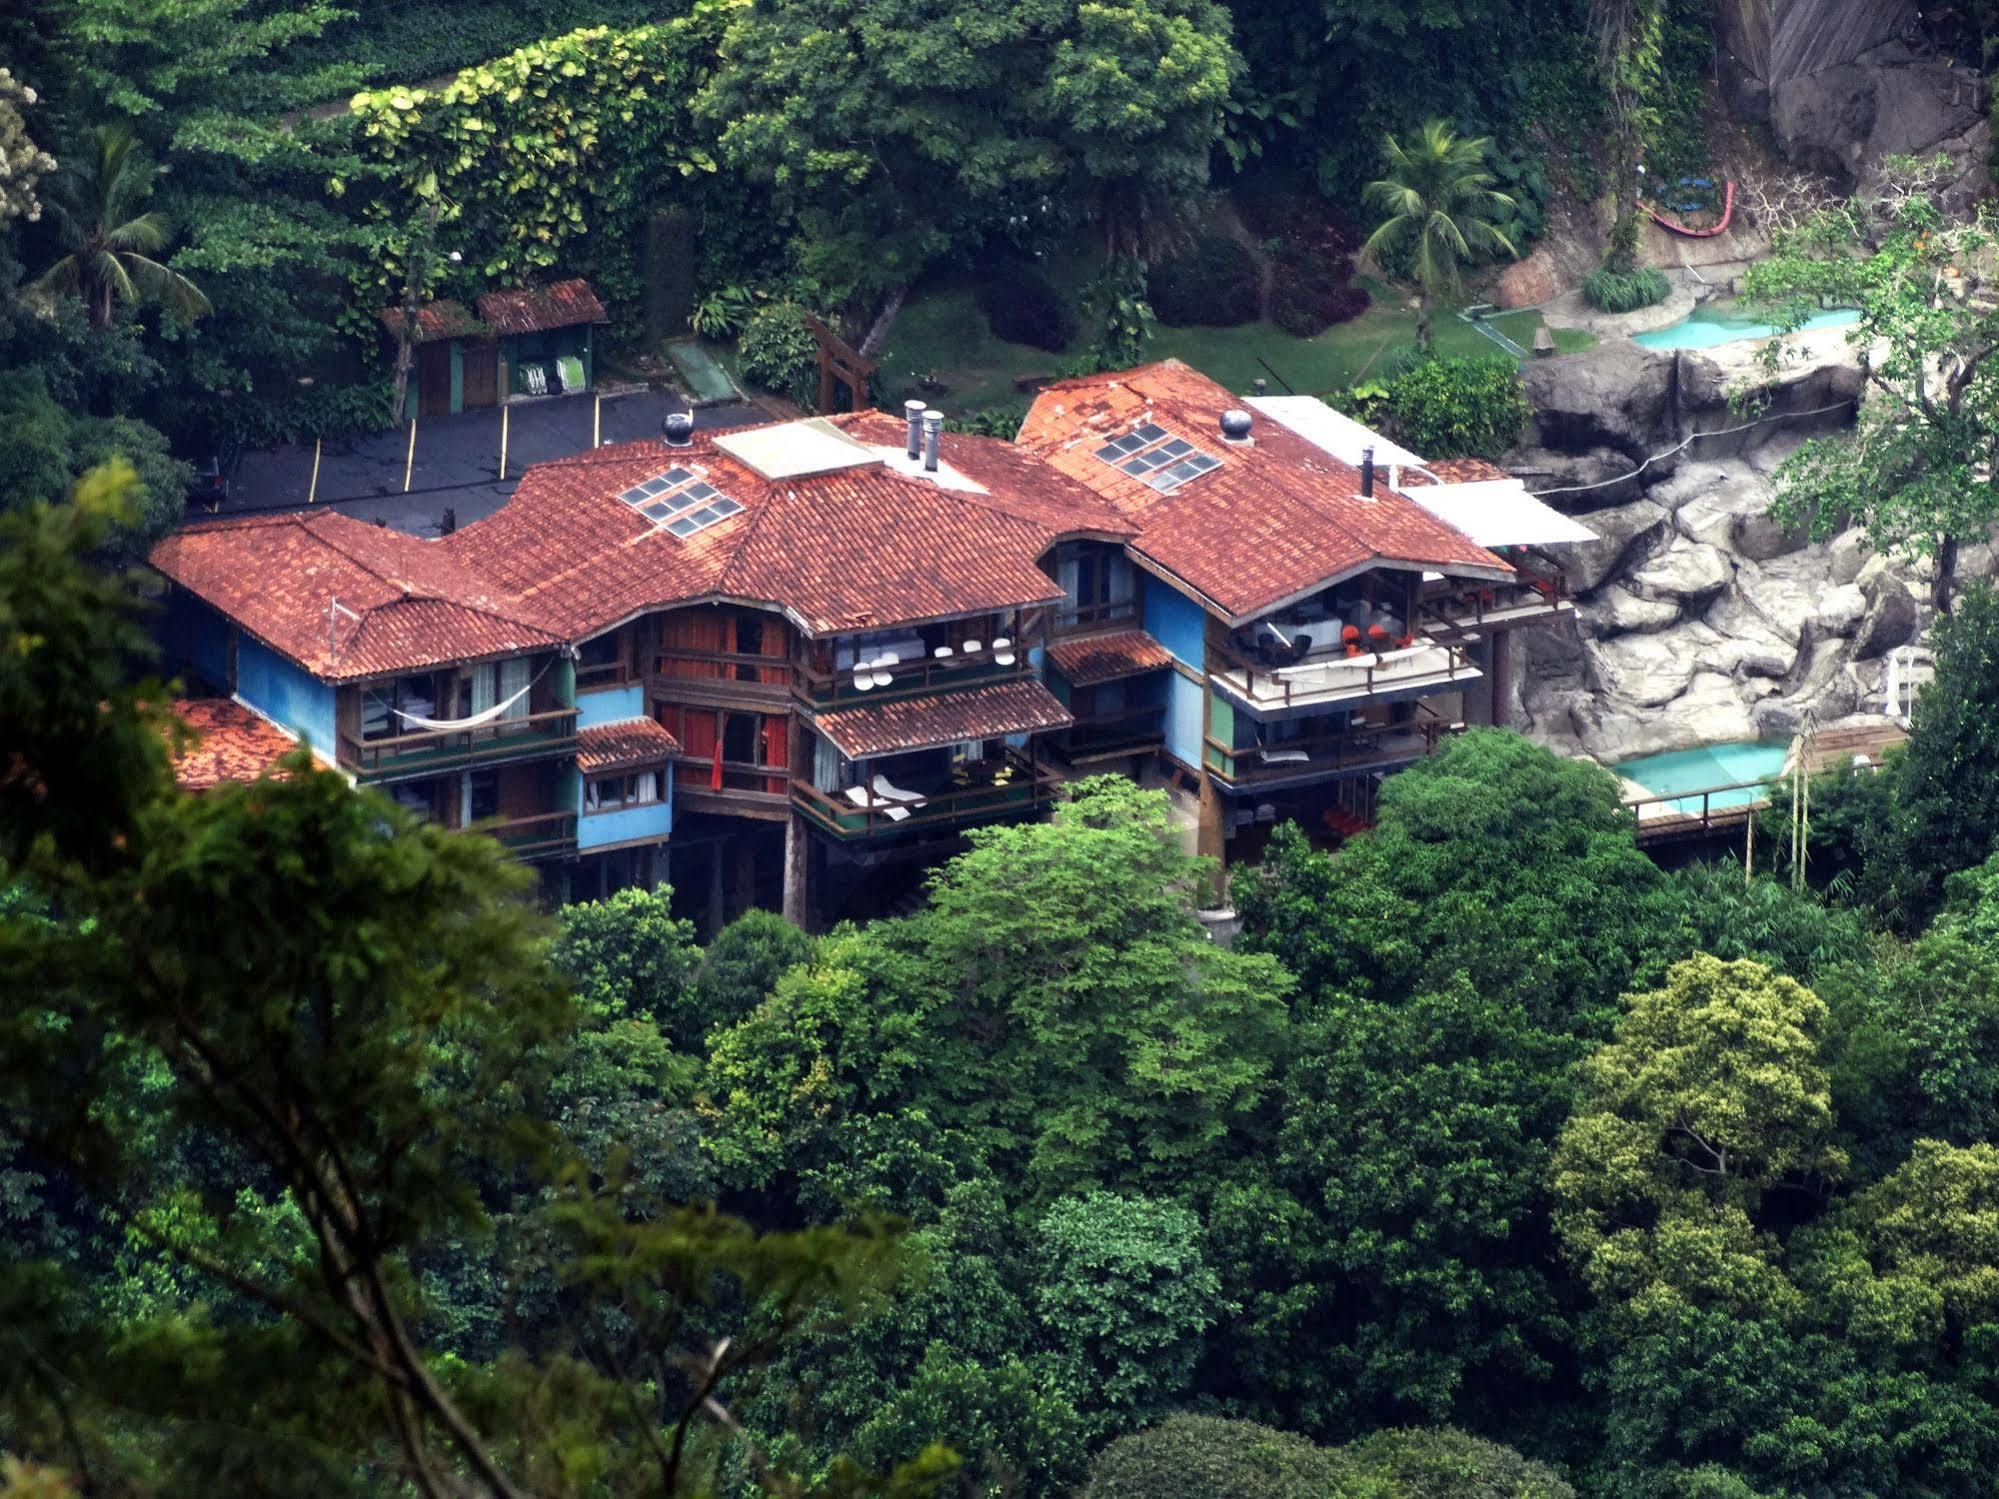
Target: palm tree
(110, 241)
(1439, 200)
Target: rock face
(1888, 100)
(1699, 618)
(1530, 281)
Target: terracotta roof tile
(1105, 658)
(403, 603)
(532, 309)
(231, 743)
(1456, 471)
(1019, 707)
(613, 746)
(1279, 518)
(435, 320)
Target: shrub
(1625, 291)
(1023, 307)
(1448, 408)
(778, 352)
(1447, 1464)
(1002, 421)
(1205, 1457)
(1213, 283)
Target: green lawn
(942, 335)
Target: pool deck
(1852, 741)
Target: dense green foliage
(1213, 282)
(1023, 306)
(1448, 408)
(1438, 209)
(1611, 290)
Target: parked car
(209, 488)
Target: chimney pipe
(913, 412)
(933, 436)
(1367, 472)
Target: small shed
(529, 341)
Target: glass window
(483, 795)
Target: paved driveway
(457, 459)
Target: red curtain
(700, 736)
(777, 751)
(694, 630)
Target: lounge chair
(1283, 757)
(858, 795)
(892, 793)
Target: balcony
(1331, 678)
(1011, 787)
(538, 837)
(1453, 609)
(431, 751)
(892, 680)
(1086, 617)
(696, 676)
(1110, 736)
(1329, 755)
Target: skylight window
(680, 501)
(1150, 453)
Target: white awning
(1498, 513)
(1330, 430)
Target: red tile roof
(402, 603)
(1105, 658)
(1019, 707)
(1279, 518)
(1456, 471)
(857, 548)
(614, 746)
(231, 743)
(534, 309)
(435, 320)
(865, 547)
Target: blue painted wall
(1176, 622)
(195, 640)
(610, 705)
(286, 694)
(1186, 717)
(600, 829)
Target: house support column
(1501, 648)
(1211, 838)
(716, 851)
(797, 872)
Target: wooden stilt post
(597, 420)
(409, 463)
(1748, 846)
(312, 489)
(505, 412)
(797, 889)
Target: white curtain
(593, 795)
(648, 787)
(1122, 579)
(1069, 577)
(969, 750)
(484, 679)
(825, 765)
(514, 683)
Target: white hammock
(477, 720)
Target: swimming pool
(1707, 326)
(1705, 768)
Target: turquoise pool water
(1705, 768)
(1708, 326)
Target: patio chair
(943, 653)
(1284, 756)
(972, 647)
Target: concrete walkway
(457, 459)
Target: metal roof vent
(1236, 425)
(1367, 472)
(678, 428)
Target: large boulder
(1848, 553)
(1684, 569)
(1613, 610)
(1625, 532)
(1840, 609)
(1617, 395)
(1891, 618)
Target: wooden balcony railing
(907, 678)
(1330, 678)
(535, 837)
(1450, 607)
(1103, 735)
(449, 749)
(743, 667)
(1332, 753)
(694, 775)
(1027, 786)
